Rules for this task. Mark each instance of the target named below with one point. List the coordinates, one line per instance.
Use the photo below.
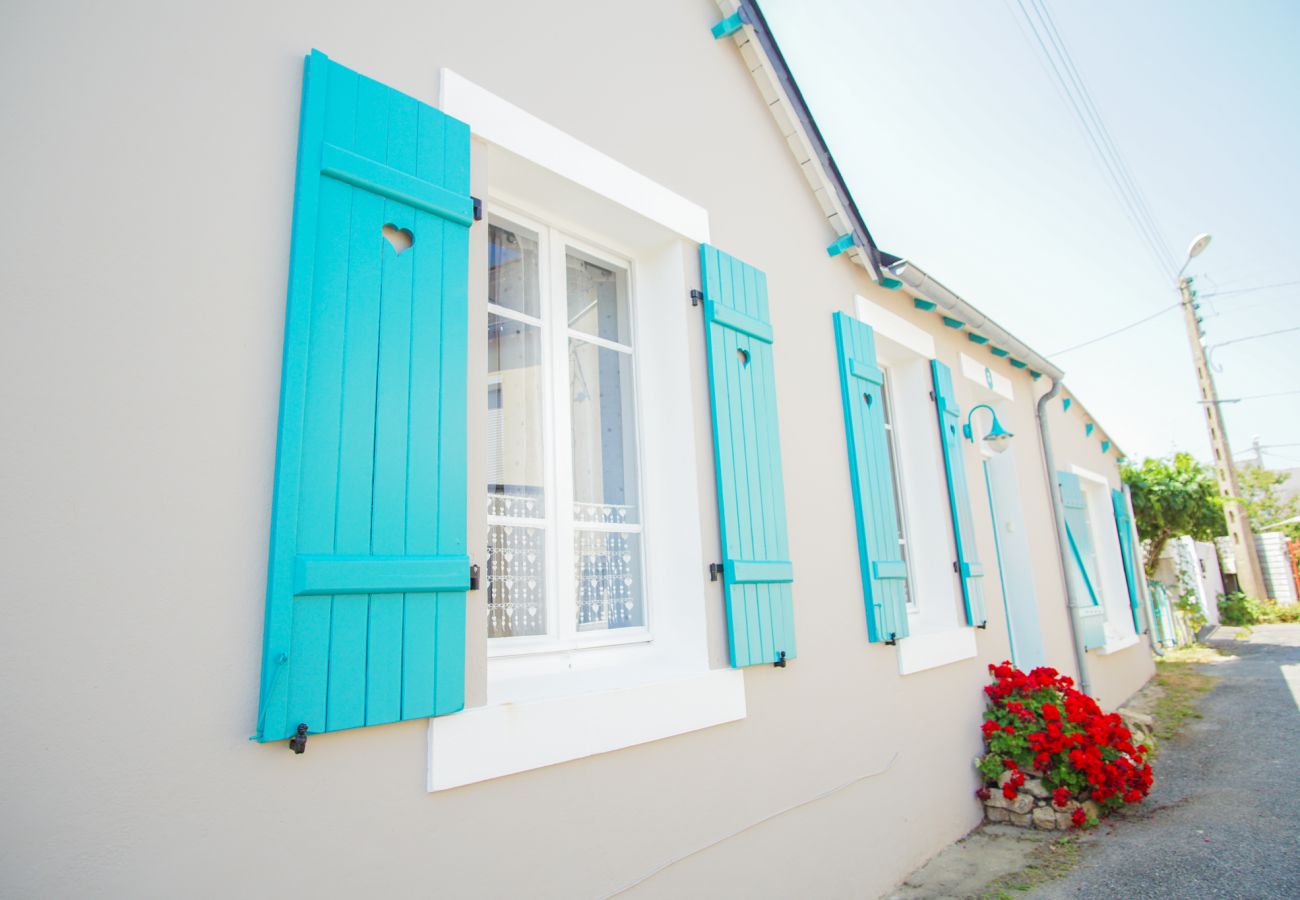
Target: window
(900, 503)
(1105, 565)
(938, 634)
(564, 524)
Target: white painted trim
(919, 652)
(986, 378)
(893, 326)
(506, 125)
(1090, 475)
(1114, 645)
(491, 741)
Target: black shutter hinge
(298, 743)
(478, 209)
(956, 567)
(696, 297)
(893, 639)
(933, 398)
(780, 661)
(983, 625)
(715, 571)
(473, 577)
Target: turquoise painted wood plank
(352, 122)
(751, 572)
(743, 322)
(386, 181)
(358, 432)
(871, 481)
(755, 551)
(839, 245)
(1082, 562)
(728, 26)
(958, 495)
(380, 574)
(889, 569)
(1133, 573)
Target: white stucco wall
(148, 195)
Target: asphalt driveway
(1223, 819)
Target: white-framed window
(938, 632)
(1106, 565)
(589, 414)
(900, 501)
(565, 524)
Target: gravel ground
(1223, 819)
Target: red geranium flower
(1061, 796)
(1079, 818)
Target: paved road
(1223, 819)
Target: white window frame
(562, 633)
(939, 633)
(545, 708)
(1111, 586)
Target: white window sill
(1114, 645)
(491, 741)
(919, 652)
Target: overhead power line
(1073, 88)
(1248, 290)
(1111, 334)
(1254, 337)
(1255, 397)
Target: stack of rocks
(1142, 726)
(1033, 806)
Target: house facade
(597, 515)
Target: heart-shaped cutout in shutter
(400, 239)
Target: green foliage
(1238, 609)
(1173, 497)
(1265, 501)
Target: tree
(1265, 502)
(1173, 497)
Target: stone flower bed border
(1054, 760)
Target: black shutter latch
(780, 661)
(298, 743)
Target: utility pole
(1250, 578)
(1259, 452)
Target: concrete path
(1223, 819)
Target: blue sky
(964, 156)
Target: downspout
(1062, 542)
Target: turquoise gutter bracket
(1087, 429)
(839, 245)
(892, 283)
(953, 323)
(728, 26)
(1065, 404)
(998, 351)
(1018, 363)
(923, 304)
(976, 338)
(1105, 446)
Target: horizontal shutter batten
(377, 178)
(380, 574)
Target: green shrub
(1238, 609)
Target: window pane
(513, 280)
(899, 518)
(597, 295)
(514, 445)
(607, 572)
(516, 581)
(604, 434)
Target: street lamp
(1250, 578)
(1199, 243)
(997, 438)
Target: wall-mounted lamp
(997, 438)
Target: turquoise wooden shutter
(884, 574)
(967, 564)
(365, 610)
(1083, 559)
(756, 570)
(1133, 573)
